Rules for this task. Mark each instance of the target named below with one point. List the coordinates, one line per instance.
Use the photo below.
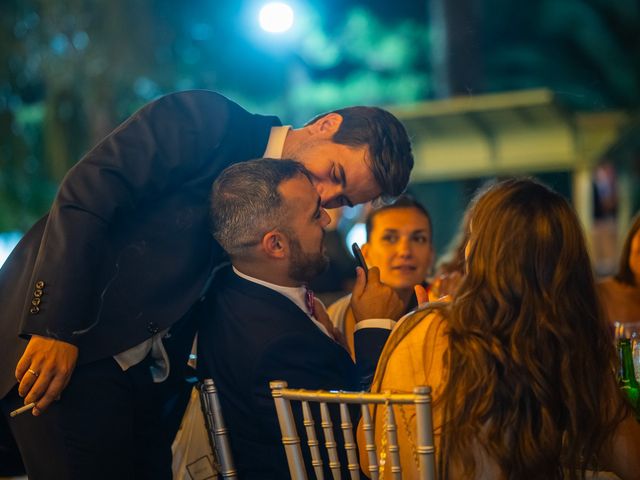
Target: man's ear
(326, 126)
(275, 244)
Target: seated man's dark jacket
(251, 335)
(125, 250)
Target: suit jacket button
(153, 327)
(37, 293)
(34, 310)
(39, 284)
(35, 302)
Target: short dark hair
(388, 142)
(403, 201)
(245, 202)
(624, 274)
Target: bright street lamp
(276, 17)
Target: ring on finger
(34, 373)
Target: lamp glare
(276, 17)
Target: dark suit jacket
(251, 335)
(125, 250)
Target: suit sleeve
(159, 148)
(298, 360)
(368, 345)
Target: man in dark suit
(97, 296)
(258, 323)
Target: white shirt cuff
(385, 323)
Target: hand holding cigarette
(44, 371)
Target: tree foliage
(71, 70)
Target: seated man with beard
(263, 324)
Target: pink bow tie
(309, 300)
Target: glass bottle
(627, 381)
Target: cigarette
(20, 410)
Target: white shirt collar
(295, 294)
(276, 142)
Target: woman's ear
(275, 244)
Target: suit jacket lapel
(276, 299)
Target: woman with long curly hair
(521, 361)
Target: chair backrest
(424, 448)
(218, 433)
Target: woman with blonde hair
(521, 361)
